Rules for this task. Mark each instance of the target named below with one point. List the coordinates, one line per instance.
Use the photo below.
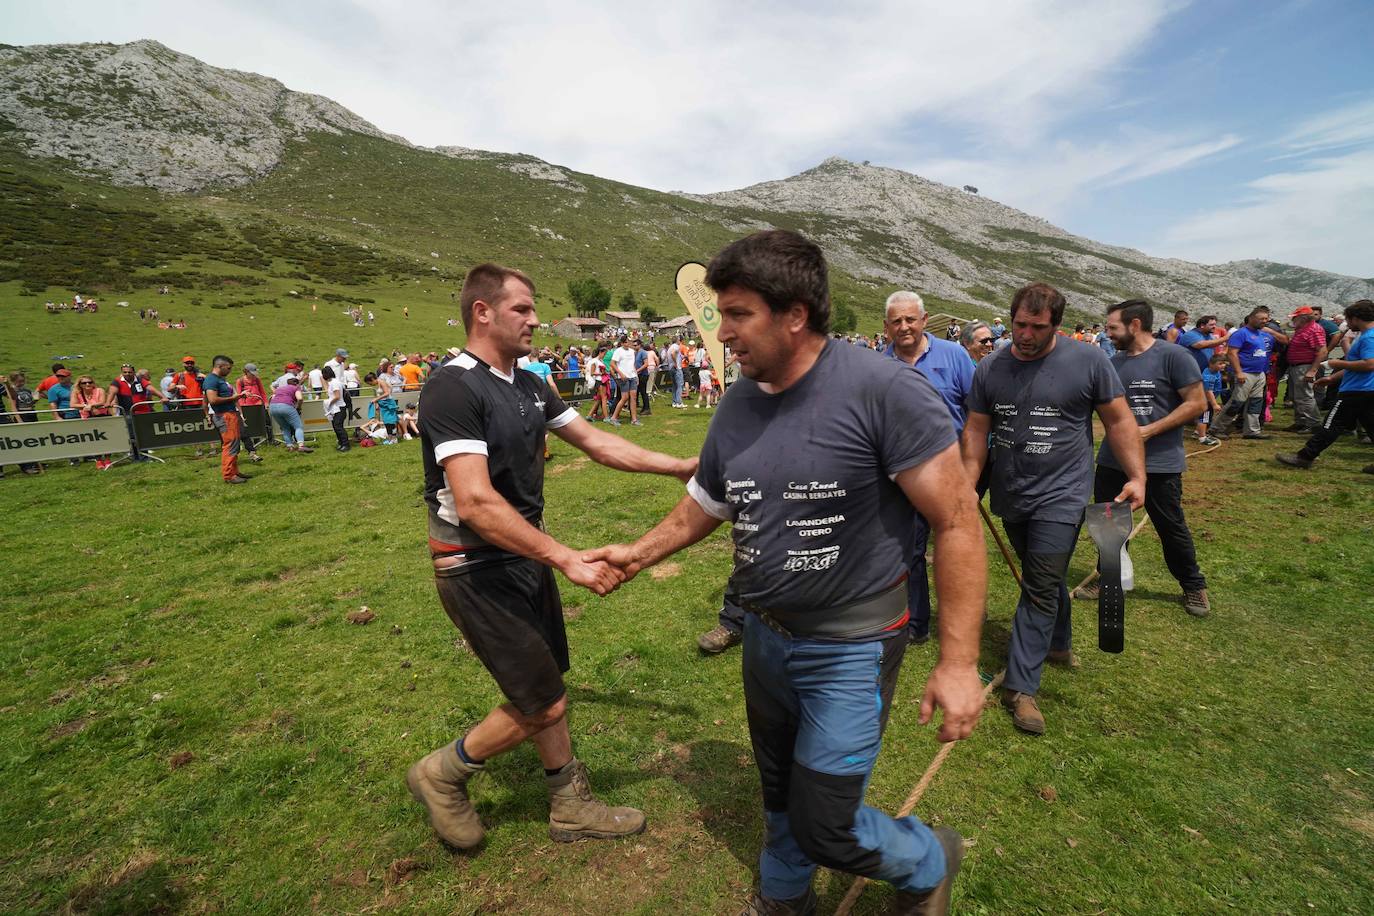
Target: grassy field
(189, 723)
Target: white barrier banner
(50, 440)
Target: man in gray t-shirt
(1036, 398)
(1164, 390)
(820, 455)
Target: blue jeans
(817, 710)
(677, 386)
(289, 422)
(1043, 620)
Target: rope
(857, 888)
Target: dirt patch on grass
(401, 871)
(180, 759)
(572, 612)
(67, 729)
(581, 461)
(665, 571)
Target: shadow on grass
(722, 779)
(582, 697)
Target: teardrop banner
(700, 300)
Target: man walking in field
(1036, 400)
(482, 425)
(1164, 392)
(224, 415)
(820, 456)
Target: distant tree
(843, 317)
(628, 303)
(648, 314)
(589, 297)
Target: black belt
(1109, 525)
(861, 619)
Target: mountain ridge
(144, 115)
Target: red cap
(187, 359)
(1303, 310)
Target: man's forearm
(623, 455)
(961, 581)
(500, 525)
(684, 526)
(1190, 409)
(1128, 449)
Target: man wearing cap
(1306, 351)
(1354, 376)
(188, 386)
(225, 417)
(55, 378)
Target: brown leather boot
(576, 814)
(934, 902)
(439, 781)
(803, 905)
(1196, 603)
(1025, 712)
(1062, 658)
(718, 639)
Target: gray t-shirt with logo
(1041, 447)
(806, 477)
(1152, 380)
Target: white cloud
(1317, 214)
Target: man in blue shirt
(1248, 349)
(945, 365)
(1355, 400)
(224, 414)
(1200, 342)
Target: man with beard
(1036, 398)
(1164, 391)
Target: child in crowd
(706, 384)
(409, 423)
(1211, 387)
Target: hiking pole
(997, 536)
(857, 888)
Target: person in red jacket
(252, 392)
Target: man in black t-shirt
(820, 456)
(482, 425)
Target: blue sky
(1207, 130)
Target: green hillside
(346, 219)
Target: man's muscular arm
(942, 492)
(682, 527)
(490, 515)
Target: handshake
(604, 569)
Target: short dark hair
(1180, 312)
(220, 358)
(370, 377)
(1362, 310)
(1039, 297)
(56, 366)
(783, 267)
(1135, 310)
(326, 372)
(1203, 320)
(485, 282)
(1257, 310)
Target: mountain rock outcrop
(143, 114)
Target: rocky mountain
(962, 246)
(1318, 284)
(143, 114)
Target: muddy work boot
(576, 814)
(1195, 602)
(1025, 712)
(439, 781)
(934, 902)
(717, 640)
(1293, 461)
(759, 905)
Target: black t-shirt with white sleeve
(470, 407)
(806, 476)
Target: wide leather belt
(1109, 525)
(862, 619)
